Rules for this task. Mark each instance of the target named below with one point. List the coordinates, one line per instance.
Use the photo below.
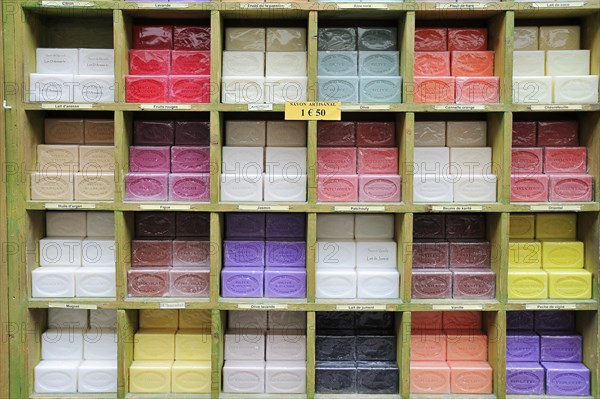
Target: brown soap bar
(475, 254)
(192, 224)
(471, 226)
(431, 284)
(155, 224)
(148, 281)
(426, 225)
(99, 131)
(151, 252)
(430, 255)
(147, 132)
(192, 133)
(474, 283)
(336, 134)
(63, 131)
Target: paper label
(72, 306)
(260, 107)
(264, 208)
(363, 5)
(172, 305)
(67, 106)
(457, 307)
(158, 207)
(360, 307)
(373, 208)
(544, 306)
(460, 107)
(169, 107)
(365, 107)
(266, 5)
(69, 206)
(558, 107)
(162, 5)
(461, 6)
(262, 306)
(67, 4)
(555, 207)
(456, 208)
(558, 4)
(313, 111)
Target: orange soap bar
(431, 39)
(472, 63)
(432, 63)
(429, 377)
(426, 320)
(469, 320)
(470, 377)
(467, 39)
(428, 345)
(477, 90)
(466, 345)
(433, 90)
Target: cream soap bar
(240, 188)
(470, 160)
(94, 186)
(192, 344)
(249, 89)
(576, 89)
(96, 158)
(373, 227)
(58, 158)
(532, 90)
(245, 133)
(153, 318)
(376, 254)
(56, 60)
(243, 63)
(245, 39)
(150, 376)
(336, 283)
(476, 188)
(560, 37)
(529, 63)
(50, 186)
(286, 63)
(66, 224)
(154, 344)
(286, 133)
(290, 162)
(281, 89)
(190, 377)
(97, 376)
(432, 188)
(336, 254)
(431, 160)
(378, 283)
(63, 251)
(466, 134)
(567, 62)
(245, 161)
(332, 227)
(100, 224)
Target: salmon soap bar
(149, 62)
(524, 378)
(527, 284)
(482, 89)
(337, 63)
(570, 284)
(570, 188)
(431, 284)
(428, 345)
(432, 63)
(149, 159)
(527, 160)
(434, 90)
(472, 63)
(565, 160)
(429, 377)
(146, 89)
(146, 186)
(379, 188)
(377, 160)
(522, 226)
(469, 320)
(190, 62)
(431, 39)
(532, 188)
(467, 39)
(338, 188)
(529, 63)
(526, 38)
(470, 377)
(567, 379)
(466, 346)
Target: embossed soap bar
(467, 320)
(285, 254)
(533, 188)
(527, 284)
(465, 225)
(146, 186)
(146, 89)
(560, 346)
(148, 281)
(378, 63)
(194, 282)
(429, 226)
(377, 377)
(521, 320)
(377, 160)
(560, 37)
(286, 39)
(466, 134)
(526, 38)
(149, 62)
(524, 378)
(430, 90)
(431, 284)
(532, 89)
(63, 131)
(244, 282)
(149, 159)
(428, 345)
(473, 283)
(558, 133)
(565, 160)
(470, 377)
(472, 63)
(191, 253)
(379, 188)
(430, 133)
(335, 377)
(245, 39)
(186, 62)
(375, 134)
(341, 88)
(151, 252)
(432, 63)
(431, 39)
(478, 90)
(432, 255)
(429, 377)
(522, 346)
(570, 187)
(190, 37)
(567, 379)
(285, 226)
(244, 253)
(335, 347)
(155, 224)
(465, 346)
(570, 284)
(285, 282)
(377, 39)
(524, 254)
(527, 160)
(374, 89)
(470, 254)
(337, 39)
(339, 188)
(97, 131)
(245, 225)
(467, 39)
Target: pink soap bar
(190, 62)
(189, 88)
(190, 159)
(470, 254)
(524, 134)
(336, 134)
(379, 188)
(189, 187)
(189, 37)
(149, 62)
(148, 281)
(429, 377)
(431, 39)
(432, 63)
(565, 160)
(529, 188)
(155, 37)
(557, 133)
(430, 255)
(191, 253)
(151, 252)
(146, 186)
(377, 160)
(472, 63)
(146, 89)
(477, 90)
(332, 160)
(426, 320)
(149, 159)
(375, 134)
(189, 282)
(527, 160)
(470, 377)
(463, 320)
(338, 188)
(466, 345)
(434, 90)
(467, 39)
(570, 188)
(427, 345)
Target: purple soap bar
(524, 378)
(286, 254)
(189, 282)
(244, 253)
(430, 255)
(473, 283)
(149, 159)
(190, 159)
(560, 346)
(557, 320)
(431, 284)
(465, 225)
(470, 254)
(242, 282)
(192, 187)
(154, 224)
(286, 226)
(285, 282)
(245, 225)
(151, 252)
(148, 132)
(567, 379)
(191, 253)
(429, 225)
(192, 224)
(192, 133)
(522, 346)
(148, 281)
(520, 320)
(146, 186)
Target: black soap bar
(149, 132)
(429, 225)
(193, 224)
(192, 133)
(335, 320)
(374, 321)
(521, 320)
(377, 377)
(336, 347)
(376, 348)
(335, 377)
(155, 224)
(465, 225)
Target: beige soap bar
(159, 318)
(466, 134)
(286, 134)
(94, 186)
(96, 158)
(63, 131)
(286, 39)
(245, 39)
(99, 131)
(526, 38)
(58, 158)
(560, 37)
(430, 134)
(49, 186)
(245, 133)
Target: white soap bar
(50, 88)
(245, 133)
(281, 188)
(432, 188)
(335, 227)
(95, 282)
(243, 63)
(56, 60)
(245, 39)
(94, 89)
(241, 376)
(68, 318)
(374, 227)
(239, 89)
(100, 344)
(529, 63)
(378, 283)
(286, 134)
(532, 90)
(58, 158)
(470, 160)
(100, 224)
(245, 161)
(430, 134)
(98, 251)
(286, 345)
(336, 254)
(95, 61)
(285, 377)
(279, 90)
(286, 63)
(60, 251)
(56, 376)
(103, 318)
(62, 344)
(286, 39)
(376, 254)
(244, 345)
(335, 283)
(240, 188)
(576, 89)
(526, 38)
(466, 133)
(286, 320)
(97, 376)
(246, 320)
(567, 62)
(477, 188)
(288, 161)
(53, 282)
(66, 224)
(431, 160)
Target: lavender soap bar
(242, 282)
(286, 253)
(524, 378)
(567, 379)
(244, 253)
(522, 346)
(559, 346)
(521, 320)
(245, 225)
(285, 282)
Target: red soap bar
(529, 188)
(565, 160)
(431, 39)
(377, 161)
(524, 134)
(432, 63)
(570, 188)
(467, 39)
(375, 134)
(470, 254)
(155, 37)
(336, 160)
(149, 62)
(527, 160)
(336, 134)
(189, 88)
(477, 90)
(148, 281)
(191, 37)
(151, 252)
(146, 89)
(472, 63)
(190, 62)
(557, 133)
(434, 90)
(337, 188)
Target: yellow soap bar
(192, 345)
(558, 254)
(190, 377)
(154, 344)
(556, 225)
(527, 284)
(570, 284)
(150, 377)
(522, 226)
(195, 318)
(524, 254)
(157, 318)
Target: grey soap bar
(377, 39)
(335, 377)
(373, 348)
(337, 39)
(374, 320)
(336, 347)
(335, 320)
(377, 377)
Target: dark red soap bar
(336, 134)
(151, 253)
(189, 88)
(557, 133)
(155, 37)
(146, 89)
(375, 134)
(431, 39)
(470, 254)
(524, 134)
(465, 225)
(429, 225)
(191, 37)
(149, 132)
(155, 224)
(185, 62)
(149, 62)
(192, 224)
(195, 133)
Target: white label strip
(266, 5)
(544, 306)
(359, 208)
(69, 206)
(172, 305)
(571, 107)
(259, 107)
(162, 5)
(364, 107)
(72, 306)
(67, 4)
(363, 5)
(460, 107)
(558, 4)
(158, 207)
(264, 208)
(170, 107)
(457, 307)
(458, 208)
(262, 306)
(461, 6)
(555, 207)
(67, 106)
(360, 307)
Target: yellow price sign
(313, 111)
